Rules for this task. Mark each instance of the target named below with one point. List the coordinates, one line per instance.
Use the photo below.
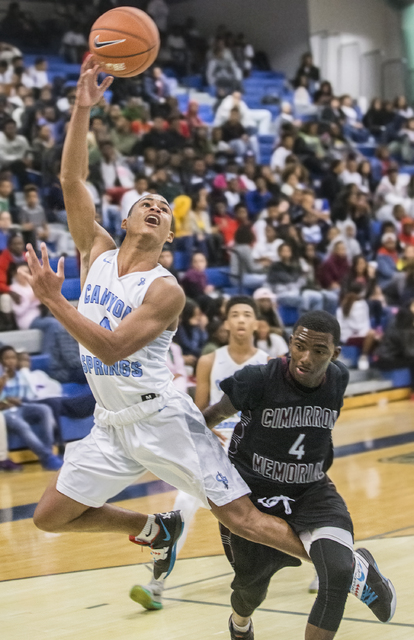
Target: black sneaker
(240, 635)
(164, 545)
(372, 588)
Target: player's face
(151, 216)
(241, 321)
(311, 352)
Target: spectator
(74, 44)
(20, 414)
(406, 235)
(156, 92)
(376, 119)
(354, 320)
(267, 308)
(131, 196)
(254, 120)
(32, 217)
(209, 243)
(194, 282)
(5, 226)
(13, 148)
(244, 270)
(392, 190)
(113, 170)
(192, 117)
(333, 114)
(175, 363)
(283, 151)
(265, 252)
(364, 274)
(270, 343)
(387, 257)
(64, 363)
(38, 73)
(218, 336)
(287, 280)
(396, 349)
(183, 236)
(123, 137)
(224, 223)
(166, 260)
(257, 200)
(14, 254)
(324, 94)
(400, 290)
(6, 464)
(350, 174)
(28, 311)
(335, 268)
(301, 98)
(402, 108)
(223, 73)
(191, 334)
(331, 183)
(159, 12)
(368, 184)
(157, 138)
(235, 134)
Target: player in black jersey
(282, 447)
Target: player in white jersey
(127, 315)
(241, 323)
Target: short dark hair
(7, 347)
(320, 321)
(240, 300)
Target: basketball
(124, 41)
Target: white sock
(241, 629)
(359, 578)
(150, 530)
(156, 585)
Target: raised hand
(46, 284)
(88, 92)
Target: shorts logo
(141, 282)
(272, 502)
(223, 479)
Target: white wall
(278, 27)
(351, 40)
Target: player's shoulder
(339, 371)
(206, 362)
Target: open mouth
(302, 372)
(153, 219)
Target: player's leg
(334, 565)
(254, 565)
(150, 595)
(243, 519)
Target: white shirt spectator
(267, 250)
(12, 150)
(260, 118)
(277, 347)
(7, 76)
(278, 159)
(357, 324)
(111, 171)
(302, 97)
(128, 199)
(42, 385)
(38, 77)
(28, 308)
(232, 198)
(349, 177)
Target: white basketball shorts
(166, 435)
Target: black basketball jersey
(283, 442)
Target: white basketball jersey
(224, 367)
(106, 299)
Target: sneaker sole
(368, 556)
(144, 598)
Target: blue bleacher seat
(71, 266)
(41, 362)
(367, 150)
(398, 377)
(71, 288)
(218, 276)
(289, 315)
(351, 353)
(181, 260)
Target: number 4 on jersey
(298, 449)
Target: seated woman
(354, 320)
(191, 333)
(269, 342)
(396, 349)
(21, 414)
(27, 309)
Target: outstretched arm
(162, 305)
(218, 412)
(90, 238)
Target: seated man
(20, 414)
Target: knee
(43, 519)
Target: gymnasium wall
(279, 27)
(354, 43)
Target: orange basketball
(124, 41)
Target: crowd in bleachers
(280, 188)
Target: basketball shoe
(164, 545)
(241, 635)
(148, 596)
(371, 587)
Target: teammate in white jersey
(127, 316)
(241, 323)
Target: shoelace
(368, 595)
